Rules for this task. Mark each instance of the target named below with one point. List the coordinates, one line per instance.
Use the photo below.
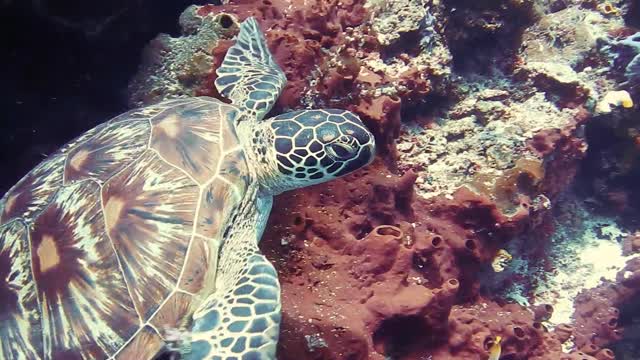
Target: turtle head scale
(313, 146)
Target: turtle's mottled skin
(152, 221)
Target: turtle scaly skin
(151, 222)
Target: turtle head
(313, 146)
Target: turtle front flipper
(240, 319)
(249, 76)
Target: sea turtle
(151, 221)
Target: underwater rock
(392, 19)
(612, 165)
(631, 244)
(568, 36)
(567, 52)
(493, 24)
(597, 315)
(179, 67)
(463, 151)
(629, 58)
(558, 79)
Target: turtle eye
(340, 151)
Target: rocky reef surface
(504, 199)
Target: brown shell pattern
(105, 243)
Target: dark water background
(64, 68)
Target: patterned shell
(104, 244)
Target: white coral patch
(582, 263)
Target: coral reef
(180, 67)
(368, 288)
(496, 123)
